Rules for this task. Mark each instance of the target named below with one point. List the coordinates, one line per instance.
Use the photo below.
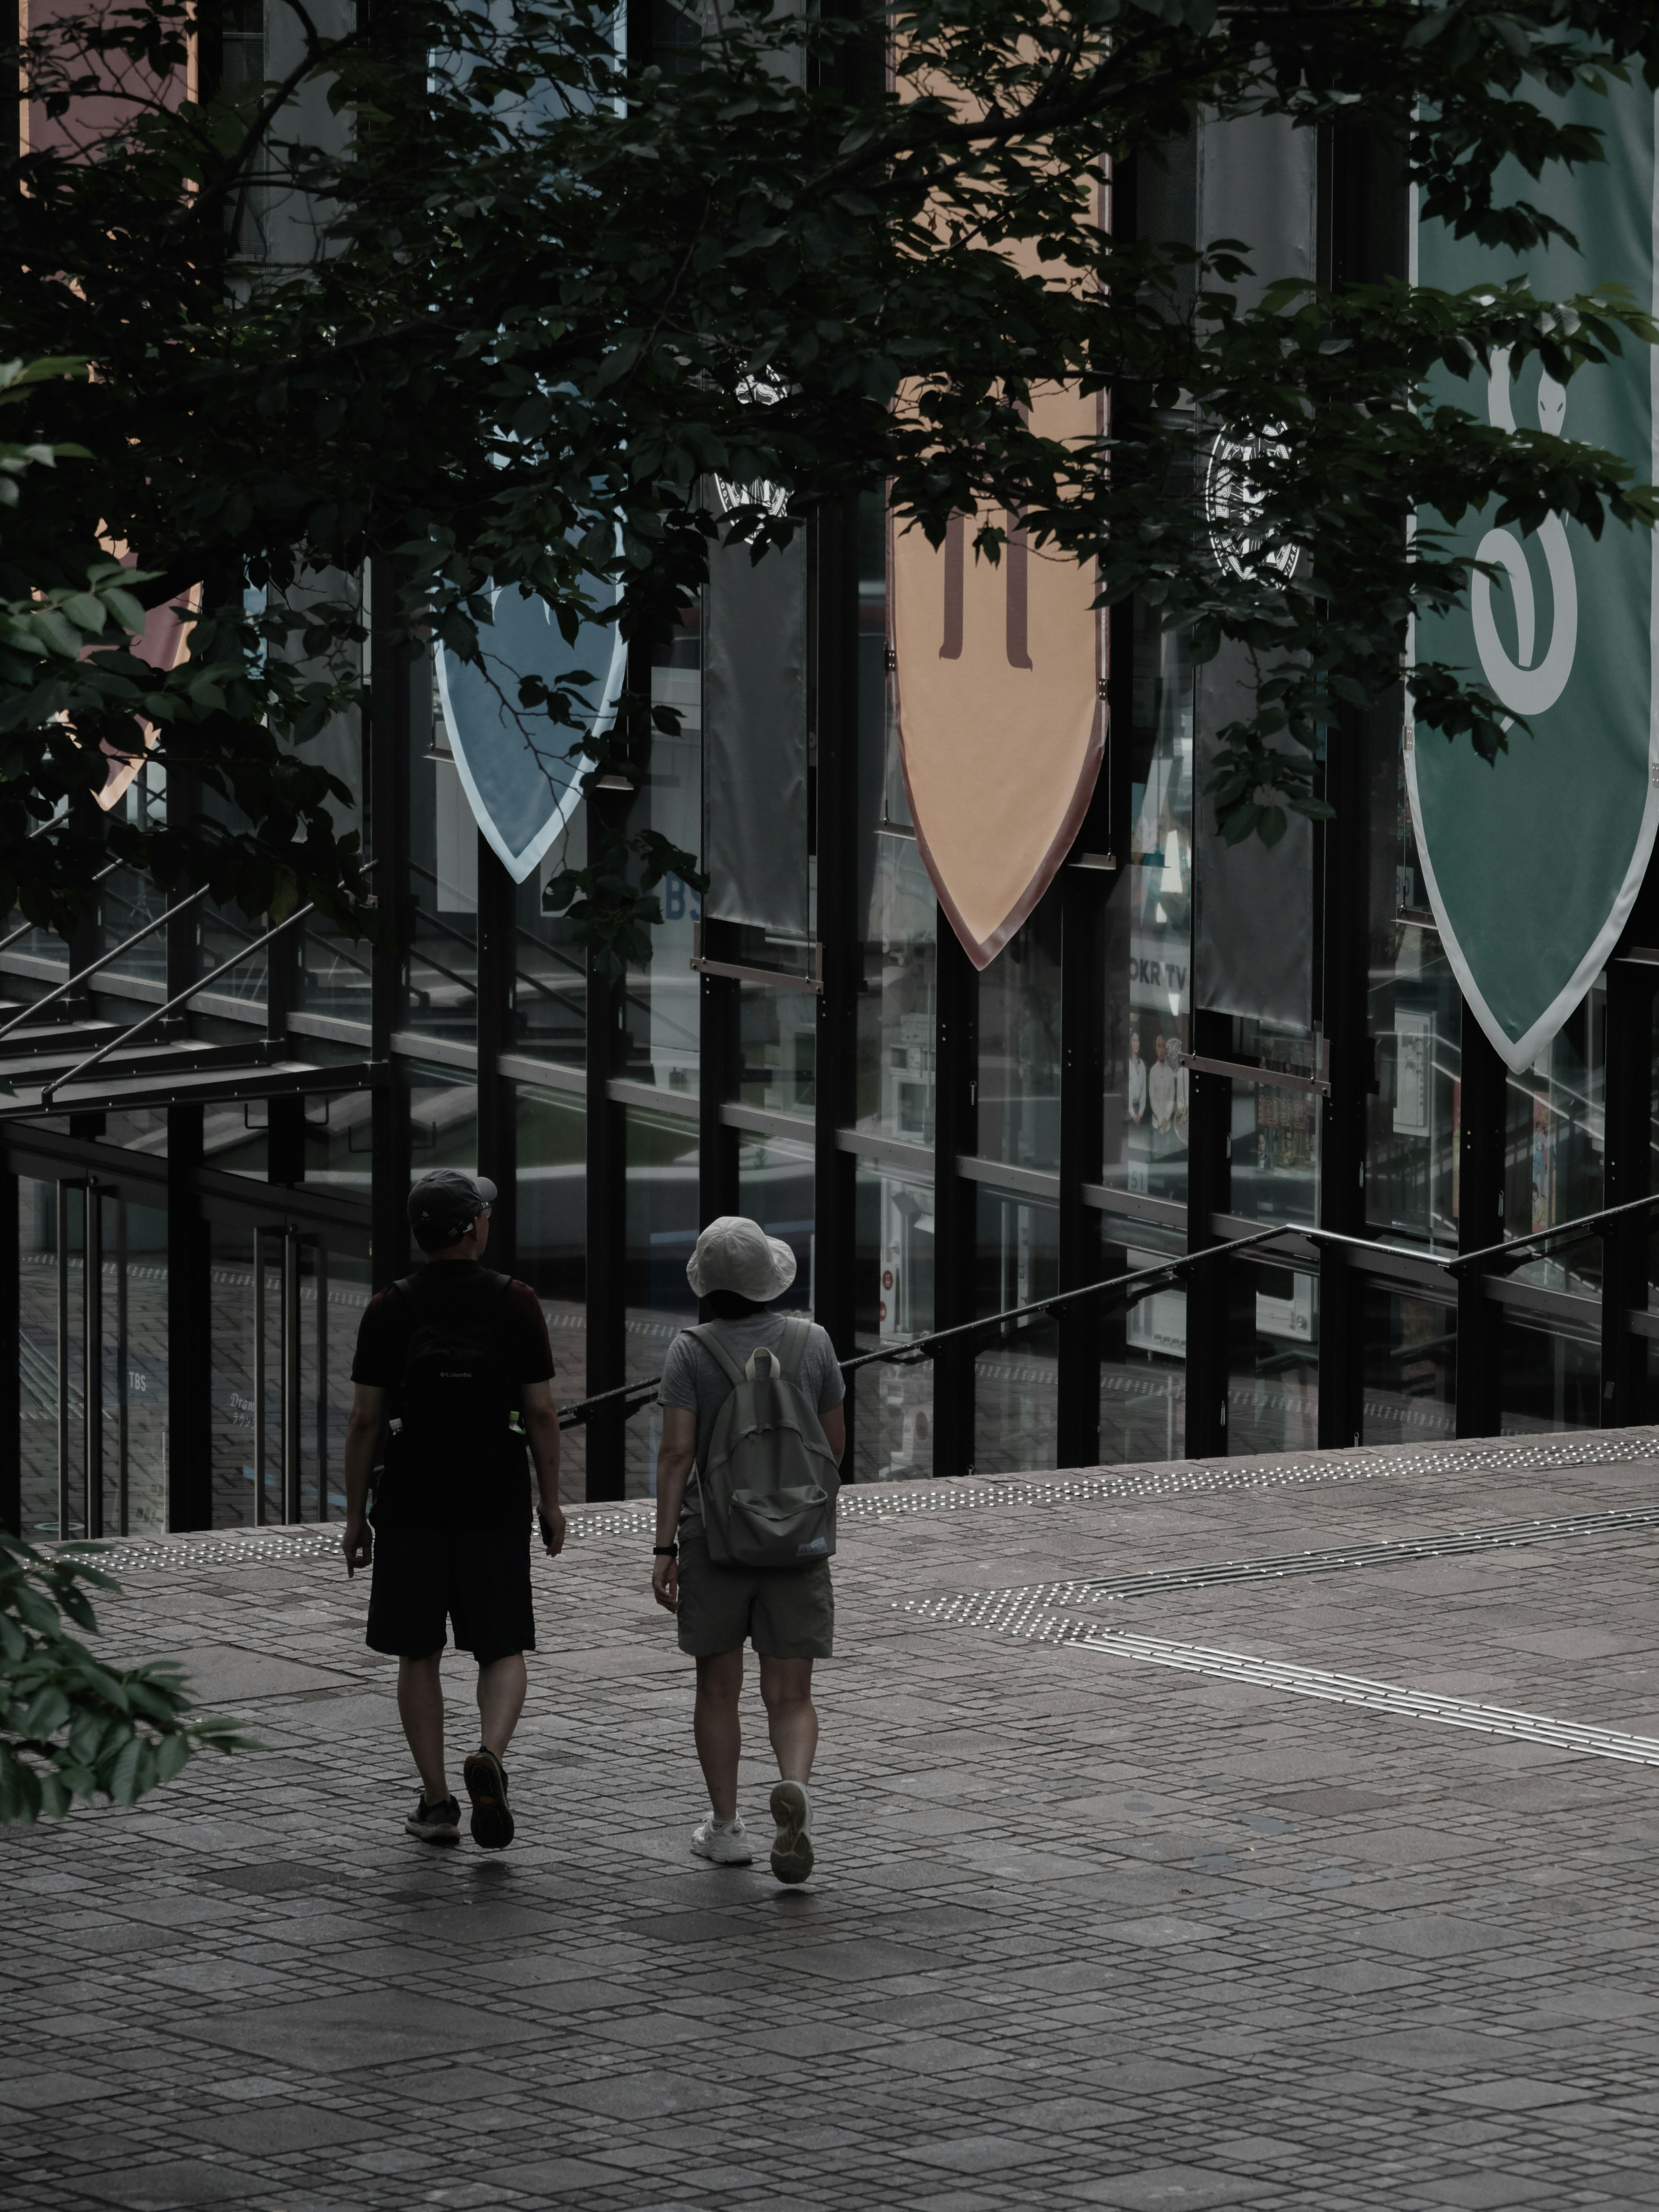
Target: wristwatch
(664, 1551)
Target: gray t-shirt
(695, 1381)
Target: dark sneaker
(435, 1824)
(486, 1785)
(792, 1848)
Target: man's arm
(363, 1434)
(541, 1425)
(833, 1421)
(674, 1457)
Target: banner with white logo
(1532, 865)
(519, 770)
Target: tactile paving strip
(238, 1547)
(1037, 1613)
(1376, 1696)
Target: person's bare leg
(501, 1687)
(717, 1730)
(420, 1710)
(792, 1719)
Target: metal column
(1083, 893)
(1624, 1246)
(955, 1132)
(1481, 1160)
(1211, 1290)
(835, 1176)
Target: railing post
(1625, 1243)
(836, 1083)
(607, 1197)
(1209, 1288)
(1083, 894)
(496, 1131)
(1483, 1102)
(955, 1132)
(1348, 1067)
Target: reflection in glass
(1415, 1014)
(552, 1229)
(1272, 1389)
(662, 1230)
(774, 1187)
(661, 1043)
(1143, 1375)
(443, 1119)
(37, 1349)
(1556, 1147)
(1015, 1374)
(895, 1009)
(548, 1013)
(1275, 1129)
(1411, 1369)
(232, 1410)
(1549, 1379)
(1149, 934)
(893, 1424)
(140, 1350)
(779, 1032)
(1019, 1045)
(440, 966)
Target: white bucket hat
(736, 1254)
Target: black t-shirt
(490, 1489)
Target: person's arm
(674, 1457)
(833, 1421)
(541, 1426)
(363, 1434)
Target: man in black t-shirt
(454, 1366)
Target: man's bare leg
(420, 1709)
(501, 1687)
(716, 1728)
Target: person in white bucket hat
(788, 1613)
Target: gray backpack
(768, 1491)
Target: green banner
(1532, 865)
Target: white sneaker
(725, 1846)
(791, 1851)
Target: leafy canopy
(478, 294)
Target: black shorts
(424, 1578)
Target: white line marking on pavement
(1374, 1697)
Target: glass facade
(937, 1146)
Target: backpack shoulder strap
(406, 1285)
(708, 1334)
(796, 1335)
(499, 1286)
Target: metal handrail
(158, 1013)
(921, 1348)
(104, 960)
(49, 1091)
(1150, 1278)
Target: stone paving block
(1516, 2095)
(1484, 2192)
(47, 2092)
(179, 2181)
(337, 2033)
(1171, 2189)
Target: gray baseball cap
(444, 1204)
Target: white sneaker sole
(792, 1853)
(743, 1857)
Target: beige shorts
(788, 1613)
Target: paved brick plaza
(1091, 1929)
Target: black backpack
(457, 1389)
